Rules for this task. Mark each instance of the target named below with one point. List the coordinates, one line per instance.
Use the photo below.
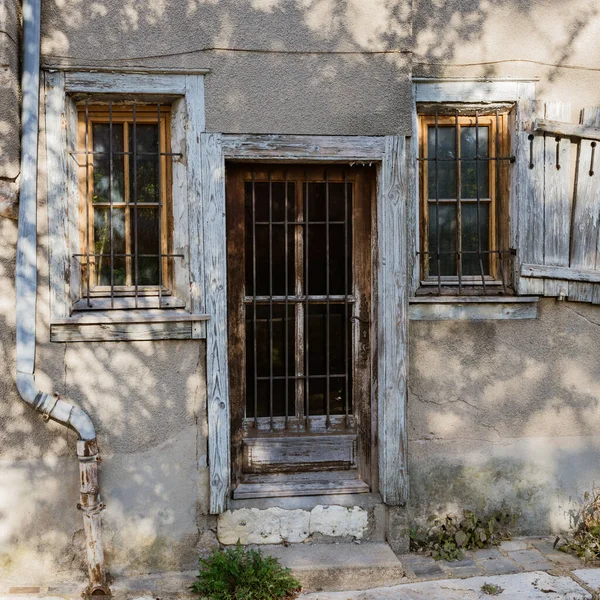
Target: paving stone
(589, 576)
(531, 560)
(561, 559)
(427, 570)
(499, 566)
(521, 586)
(513, 545)
(486, 553)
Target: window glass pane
(146, 158)
(147, 243)
(471, 264)
(447, 249)
(278, 257)
(468, 144)
(263, 362)
(101, 163)
(317, 358)
(446, 169)
(102, 221)
(339, 254)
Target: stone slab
(531, 560)
(498, 566)
(513, 545)
(340, 566)
(486, 553)
(522, 586)
(590, 577)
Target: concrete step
(339, 567)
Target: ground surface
(525, 569)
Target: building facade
(298, 257)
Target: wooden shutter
(559, 203)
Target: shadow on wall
(338, 61)
(505, 415)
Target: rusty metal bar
(458, 202)
(327, 310)
(111, 199)
(160, 204)
(437, 206)
(135, 206)
(270, 299)
(479, 253)
(307, 305)
(254, 292)
(347, 263)
(286, 290)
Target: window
(464, 209)
(124, 182)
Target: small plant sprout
(448, 537)
(491, 589)
(240, 574)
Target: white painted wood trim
(57, 194)
(124, 83)
(118, 332)
(472, 311)
(194, 127)
(469, 90)
(126, 70)
(303, 147)
(214, 257)
(392, 319)
(472, 299)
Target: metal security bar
(124, 176)
(464, 205)
(298, 301)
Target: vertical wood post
(530, 191)
(58, 222)
(586, 211)
(557, 198)
(215, 295)
(392, 319)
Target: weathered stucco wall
(278, 66)
(546, 39)
(504, 414)
(148, 403)
(501, 414)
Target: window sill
(129, 325)
(472, 308)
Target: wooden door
(299, 314)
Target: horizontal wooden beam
(303, 147)
(471, 299)
(133, 316)
(483, 311)
(567, 130)
(128, 70)
(565, 273)
(124, 83)
(119, 332)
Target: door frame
(395, 243)
(362, 419)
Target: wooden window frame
(425, 122)
(123, 114)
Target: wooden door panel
(302, 453)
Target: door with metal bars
(299, 315)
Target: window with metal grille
(124, 180)
(464, 162)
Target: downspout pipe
(51, 406)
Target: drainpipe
(50, 405)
